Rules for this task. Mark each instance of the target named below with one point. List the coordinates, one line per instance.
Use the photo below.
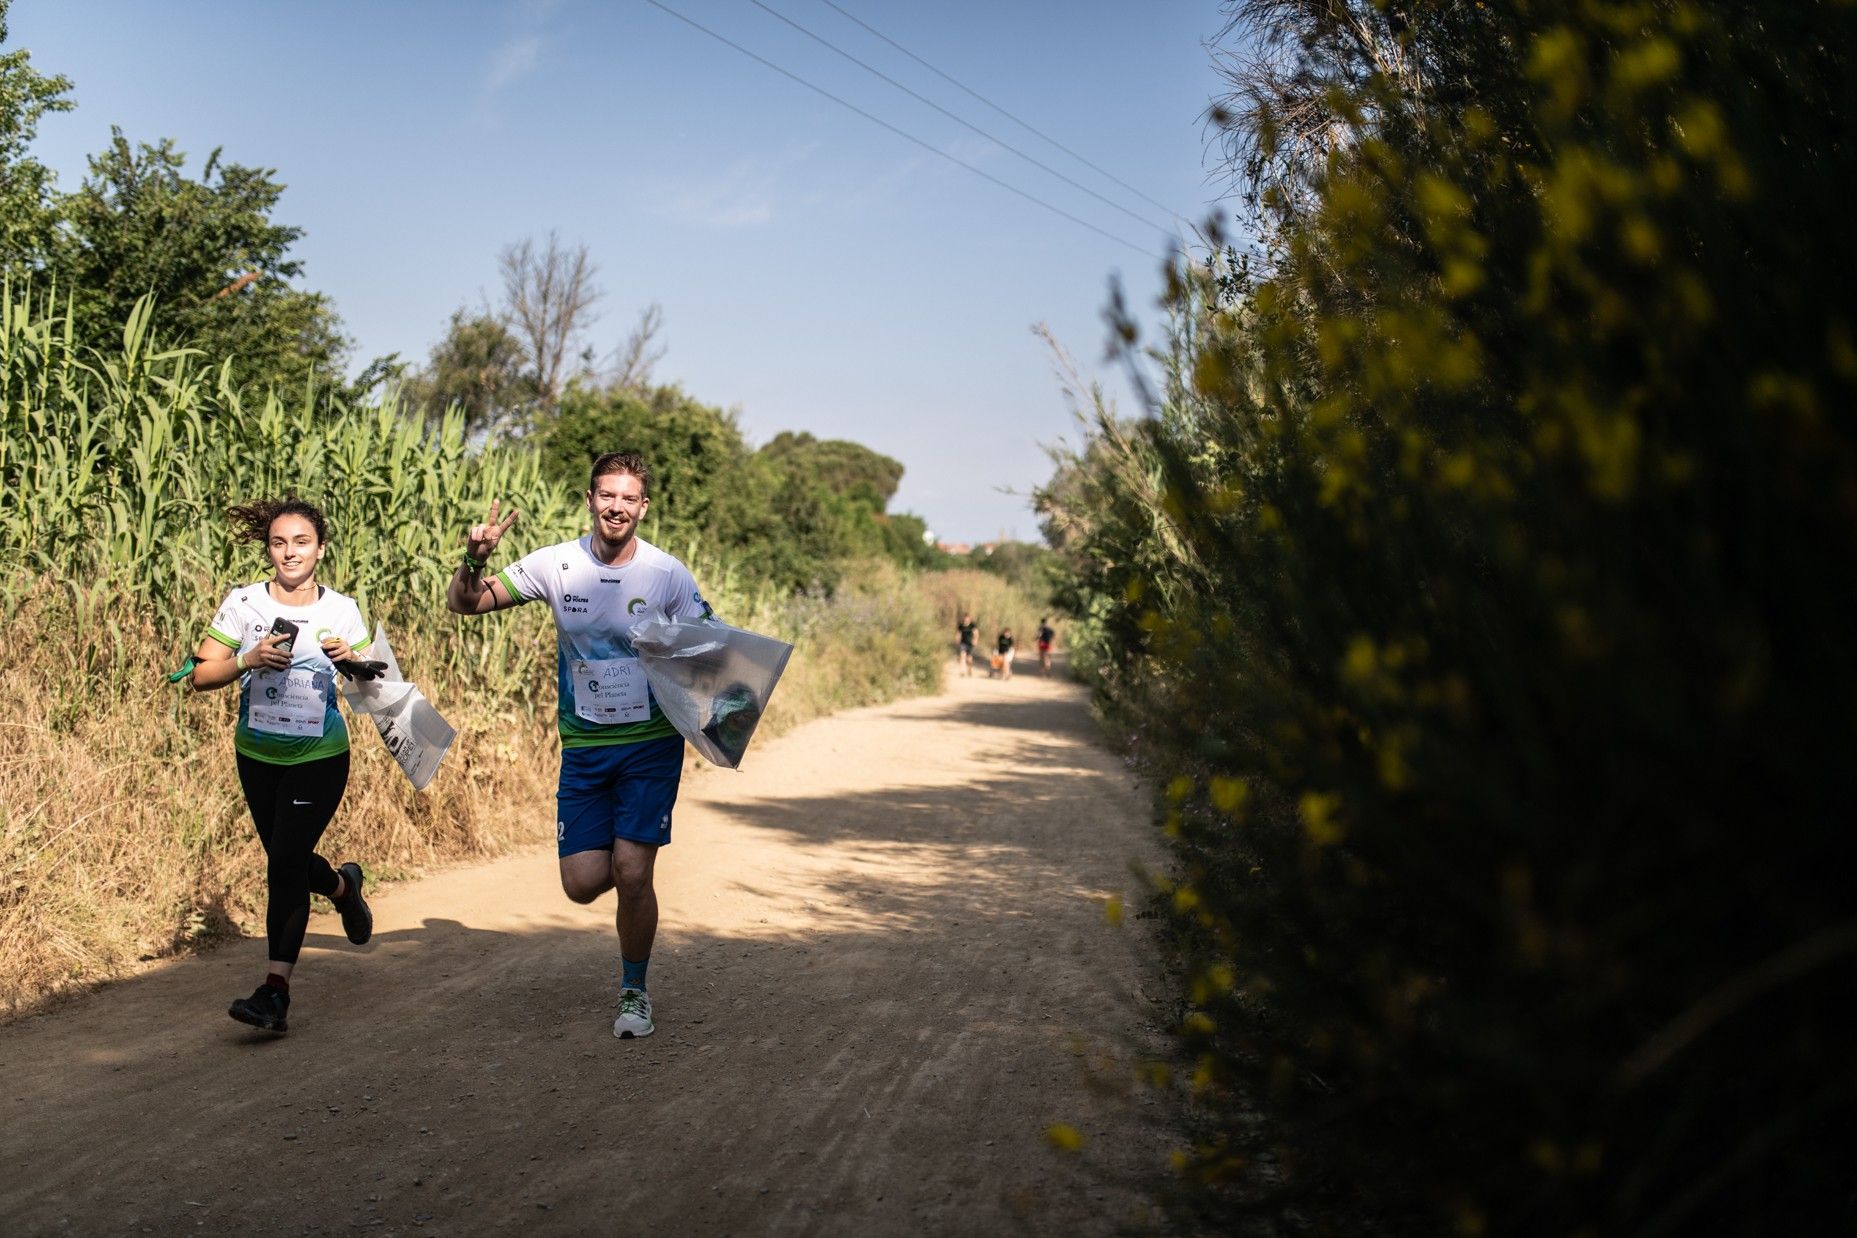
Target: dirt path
(883, 971)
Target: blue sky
(816, 272)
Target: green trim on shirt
(509, 587)
(625, 733)
(230, 642)
(289, 749)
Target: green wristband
(476, 565)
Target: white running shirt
(602, 691)
(288, 717)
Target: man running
(965, 644)
(621, 759)
(1046, 634)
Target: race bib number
(288, 702)
(611, 690)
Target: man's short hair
(621, 462)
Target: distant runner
(1004, 645)
(621, 760)
(280, 639)
(966, 633)
(1046, 634)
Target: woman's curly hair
(252, 521)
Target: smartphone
(289, 629)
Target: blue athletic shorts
(617, 791)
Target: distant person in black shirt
(968, 630)
(1046, 634)
(1005, 653)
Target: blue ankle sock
(632, 975)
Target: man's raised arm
(469, 593)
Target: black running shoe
(265, 1009)
(357, 920)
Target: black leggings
(293, 805)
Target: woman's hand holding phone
(273, 652)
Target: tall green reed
(118, 472)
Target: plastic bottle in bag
(733, 715)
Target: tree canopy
(205, 247)
(792, 513)
(28, 215)
(209, 252)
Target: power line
(1026, 125)
(997, 141)
(1056, 210)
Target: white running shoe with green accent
(634, 1015)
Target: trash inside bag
(414, 732)
(711, 680)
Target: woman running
(281, 638)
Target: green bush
(1476, 593)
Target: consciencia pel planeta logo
(634, 606)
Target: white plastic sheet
(413, 731)
(711, 680)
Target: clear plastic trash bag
(412, 730)
(711, 680)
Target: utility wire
(1056, 210)
(997, 141)
(1026, 125)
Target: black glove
(362, 671)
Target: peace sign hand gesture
(483, 538)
